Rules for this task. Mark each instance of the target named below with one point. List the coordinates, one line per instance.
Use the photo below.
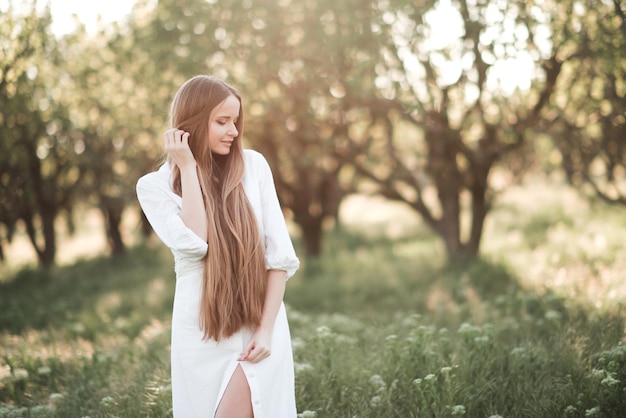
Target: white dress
(202, 369)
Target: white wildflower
(307, 414)
(38, 411)
(553, 315)
(518, 351)
(107, 401)
(466, 328)
(376, 401)
(429, 377)
(593, 412)
(458, 410)
(164, 388)
(345, 340)
(411, 320)
(44, 371)
(54, 400)
(323, 331)
(56, 397)
(446, 370)
(426, 330)
(302, 367)
(20, 374)
(394, 384)
(78, 327)
(17, 412)
(609, 381)
(378, 382)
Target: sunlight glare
(511, 68)
(87, 12)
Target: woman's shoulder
(158, 178)
(252, 155)
(255, 160)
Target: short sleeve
(162, 208)
(279, 251)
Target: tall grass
(381, 327)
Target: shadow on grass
(369, 275)
(377, 277)
(55, 298)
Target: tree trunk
(312, 232)
(46, 251)
(49, 236)
(479, 212)
(443, 149)
(112, 209)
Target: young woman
(215, 206)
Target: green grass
(381, 327)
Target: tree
(588, 118)
(122, 78)
(115, 124)
(307, 73)
(39, 170)
(454, 117)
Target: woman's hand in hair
(192, 211)
(176, 142)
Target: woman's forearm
(193, 212)
(276, 283)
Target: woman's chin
(222, 151)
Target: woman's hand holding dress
(259, 346)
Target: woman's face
(222, 130)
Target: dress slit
(230, 371)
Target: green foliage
(39, 168)
(333, 91)
(99, 336)
(587, 120)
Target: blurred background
(463, 160)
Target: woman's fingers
(258, 354)
(255, 354)
(176, 144)
(175, 137)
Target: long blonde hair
(235, 276)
